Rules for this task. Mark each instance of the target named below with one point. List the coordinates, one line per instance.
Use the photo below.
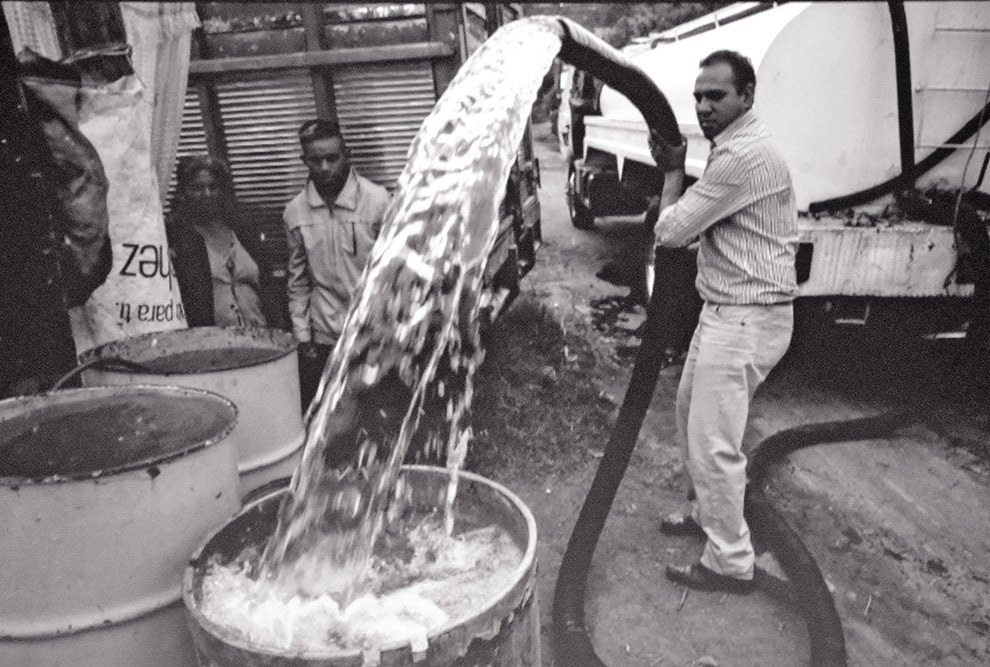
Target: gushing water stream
(401, 372)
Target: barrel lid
(195, 350)
(98, 431)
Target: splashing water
(401, 372)
(423, 581)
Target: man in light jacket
(330, 229)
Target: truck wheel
(581, 217)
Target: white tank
(826, 88)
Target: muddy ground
(900, 527)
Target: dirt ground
(900, 527)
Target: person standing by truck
(330, 228)
(744, 211)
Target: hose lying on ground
(806, 588)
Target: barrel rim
(17, 481)
(517, 585)
(112, 349)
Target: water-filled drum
(257, 369)
(104, 491)
(503, 631)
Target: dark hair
(190, 165)
(187, 169)
(319, 128)
(742, 69)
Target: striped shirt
(744, 210)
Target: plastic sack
(78, 181)
(140, 294)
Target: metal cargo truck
(880, 111)
(260, 69)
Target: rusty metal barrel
(257, 369)
(503, 632)
(103, 493)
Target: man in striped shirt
(743, 211)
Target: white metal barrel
(104, 492)
(257, 369)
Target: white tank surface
(826, 88)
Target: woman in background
(218, 276)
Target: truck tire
(581, 217)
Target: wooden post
(493, 18)
(312, 16)
(209, 105)
(444, 26)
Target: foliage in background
(617, 23)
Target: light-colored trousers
(731, 353)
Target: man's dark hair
(742, 68)
(320, 128)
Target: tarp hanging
(32, 26)
(160, 35)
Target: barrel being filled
(400, 375)
(435, 598)
(419, 578)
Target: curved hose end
(586, 51)
(567, 26)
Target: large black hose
(584, 51)
(905, 102)
(572, 645)
(807, 587)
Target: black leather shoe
(700, 578)
(681, 524)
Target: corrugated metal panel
(261, 117)
(380, 108)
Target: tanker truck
(879, 110)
